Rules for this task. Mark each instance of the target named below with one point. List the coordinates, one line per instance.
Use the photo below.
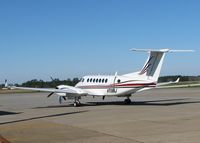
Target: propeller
(50, 94)
(52, 78)
(60, 99)
(64, 98)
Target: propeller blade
(116, 74)
(51, 78)
(60, 99)
(64, 98)
(50, 94)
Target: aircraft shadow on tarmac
(170, 102)
(167, 102)
(41, 117)
(4, 113)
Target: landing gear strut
(127, 101)
(77, 102)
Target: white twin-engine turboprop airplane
(115, 85)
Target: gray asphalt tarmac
(155, 116)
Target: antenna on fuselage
(116, 73)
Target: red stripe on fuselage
(119, 86)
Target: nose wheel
(127, 101)
(77, 102)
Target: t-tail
(152, 67)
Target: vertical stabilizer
(153, 66)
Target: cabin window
(102, 80)
(106, 80)
(97, 80)
(88, 80)
(118, 81)
(91, 80)
(94, 80)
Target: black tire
(127, 101)
(77, 104)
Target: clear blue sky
(72, 38)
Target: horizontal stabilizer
(150, 50)
(160, 50)
(174, 51)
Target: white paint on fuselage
(121, 85)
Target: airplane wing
(162, 85)
(179, 86)
(65, 89)
(167, 83)
(159, 85)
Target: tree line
(182, 78)
(50, 84)
(72, 82)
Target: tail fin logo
(147, 66)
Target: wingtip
(177, 80)
(6, 83)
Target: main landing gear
(127, 101)
(77, 102)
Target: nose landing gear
(77, 102)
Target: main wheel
(77, 103)
(127, 101)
